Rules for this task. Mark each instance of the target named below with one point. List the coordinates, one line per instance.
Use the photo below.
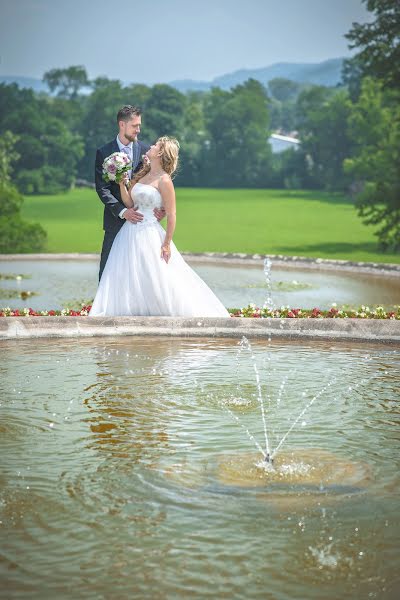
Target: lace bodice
(146, 198)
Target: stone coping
(238, 258)
(382, 331)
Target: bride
(145, 274)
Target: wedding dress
(137, 281)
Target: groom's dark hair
(127, 112)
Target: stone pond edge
(371, 330)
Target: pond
(58, 283)
(128, 469)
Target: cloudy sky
(163, 40)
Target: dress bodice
(146, 198)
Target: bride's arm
(167, 192)
(125, 196)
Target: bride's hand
(125, 180)
(166, 252)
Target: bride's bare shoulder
(165, 181)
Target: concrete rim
(369, 331)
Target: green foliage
(375, 128)
(237, 153)
(19, 236)
(8, 155)
(10, 200)
(16, 235)
(378, 45)
(283, 89)
(164, 111)
(373, 76)
(46, 144)
(66, 82)
(324, 134)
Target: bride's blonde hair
(169, 153)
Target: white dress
(137, 281)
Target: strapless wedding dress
(136, 281)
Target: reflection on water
(61, 282)
(123, 476)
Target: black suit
(110, 195)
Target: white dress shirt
(129, 151)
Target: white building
(279, 142)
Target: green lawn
(288, 222)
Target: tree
(378, 44)
(164, 112)
(374, 125)
(192, 138)
(16, 235)
(283, 89)
(237, 153)
(8, 155)
(373, 76)
(322, 124)
(67, 82)
(48, 150)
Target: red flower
(291, 314)
(52, 313)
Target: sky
(166, 40)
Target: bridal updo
(169, 154)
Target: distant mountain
(186, 85)
(25, 82)
(327, 73)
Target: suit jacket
(109, 193)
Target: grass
(305, 223)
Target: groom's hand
(159, 213)
(133, 216)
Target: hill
(326, 73)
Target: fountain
(120, 471)
(123, 476)
(267, 273)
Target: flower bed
(250, 311)
(363, 312)
(29, 312)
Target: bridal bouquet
(115, 166)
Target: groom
(115, 213)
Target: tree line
(349, 134)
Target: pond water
(126, 471)
(58, 283)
